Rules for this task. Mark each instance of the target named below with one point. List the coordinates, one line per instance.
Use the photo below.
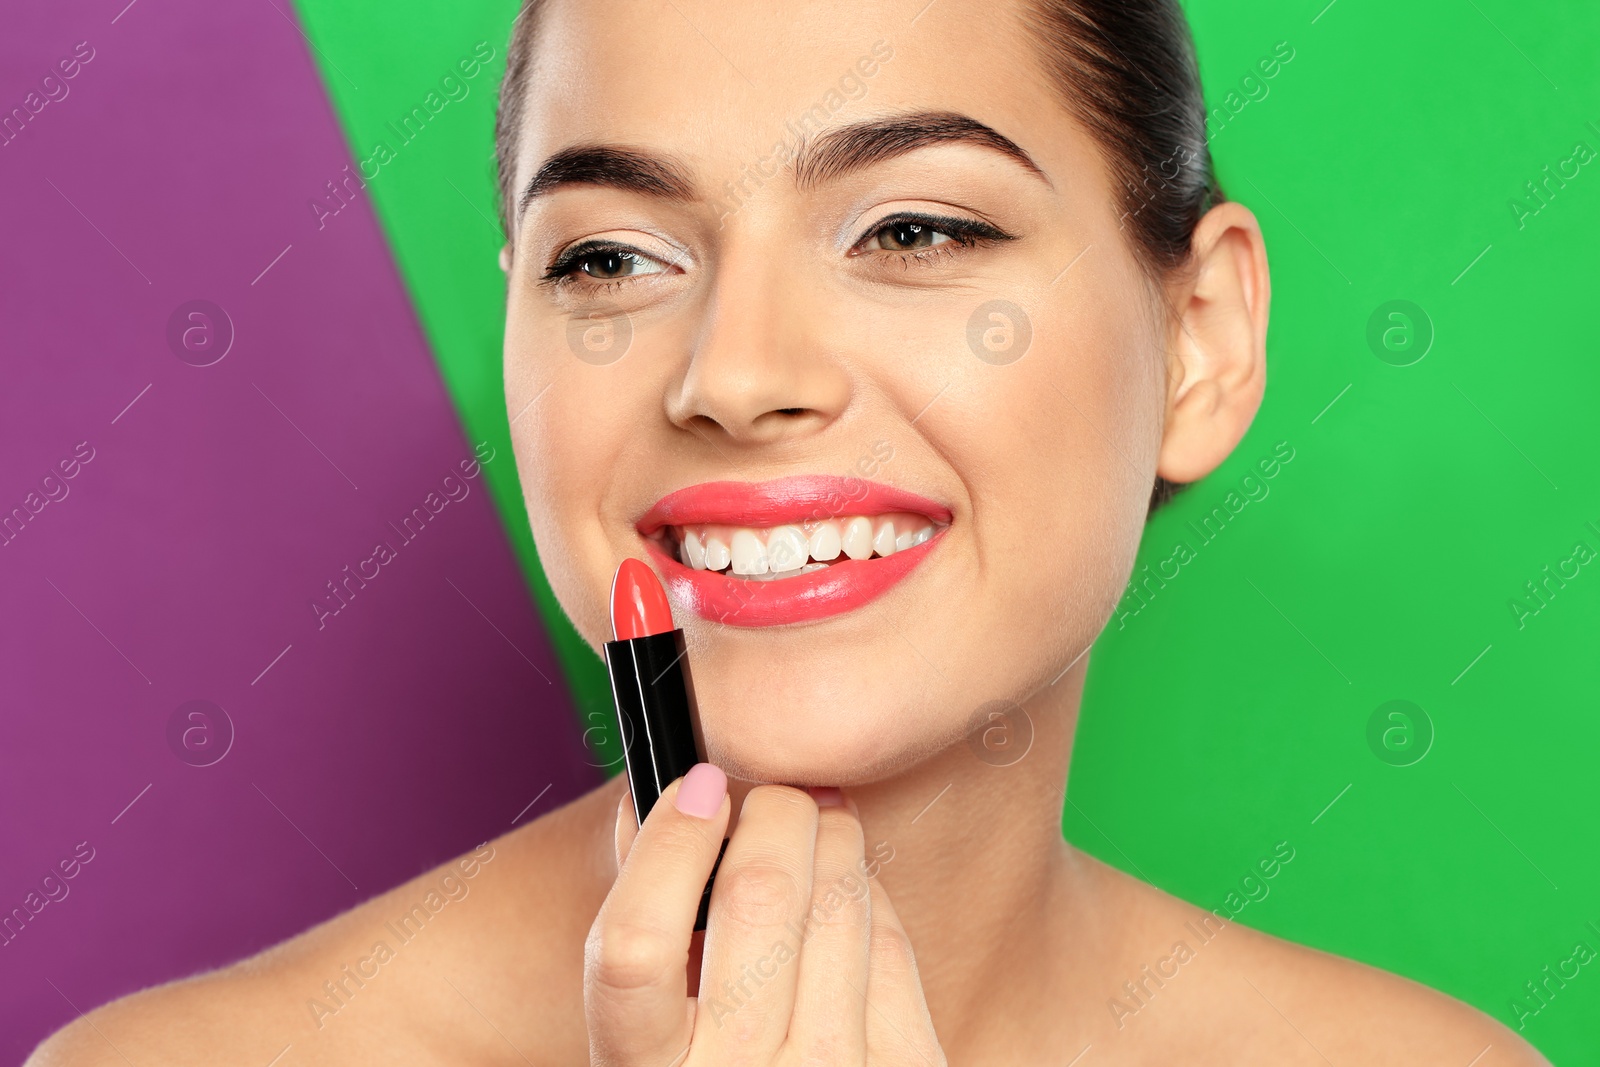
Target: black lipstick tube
(659, 723)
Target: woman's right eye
(602, 263)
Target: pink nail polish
(702, 791)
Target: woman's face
(719, 317)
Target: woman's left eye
(915, 236)
(907, 236)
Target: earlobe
(1218, 366)
(505, 258)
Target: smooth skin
(785, 334)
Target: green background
(1232, 712)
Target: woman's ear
(1217, 370)
(505, 258)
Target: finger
(752, 934)
(635, 981)
(829, 1023)
(899, 1028)
(627, 827)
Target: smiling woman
(803, 275)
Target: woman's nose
(759, 370)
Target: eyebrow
(828, 158)
(612, 166)
(864, 144)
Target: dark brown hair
(1125, 68)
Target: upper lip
(783, 500)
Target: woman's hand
(804, 960)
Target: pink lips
(843, 586)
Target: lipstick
(653, 694)
(844, 585)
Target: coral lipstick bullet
(653, 693)
(639, 605)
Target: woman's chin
(838, 747)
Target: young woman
(953, 269)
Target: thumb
(637, 954)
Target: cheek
(1059, 451)
(569, 424)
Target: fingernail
(827, 796)
(702, 791)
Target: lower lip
(842, 587)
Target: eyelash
(962, 233)
(563, 272)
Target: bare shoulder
(1245, 996)
(1362, 1013)
(477, 960)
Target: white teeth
(883, 542)
(825, 542)
(765, 554)
(695, 550)
(717, 554)
(857, 539)
(787, 549)
(807, 569)
(749, 554)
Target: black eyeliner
(564, 262)
(969, 230)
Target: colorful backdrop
(275, 635)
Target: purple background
(406, 731)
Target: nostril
(791, 411)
